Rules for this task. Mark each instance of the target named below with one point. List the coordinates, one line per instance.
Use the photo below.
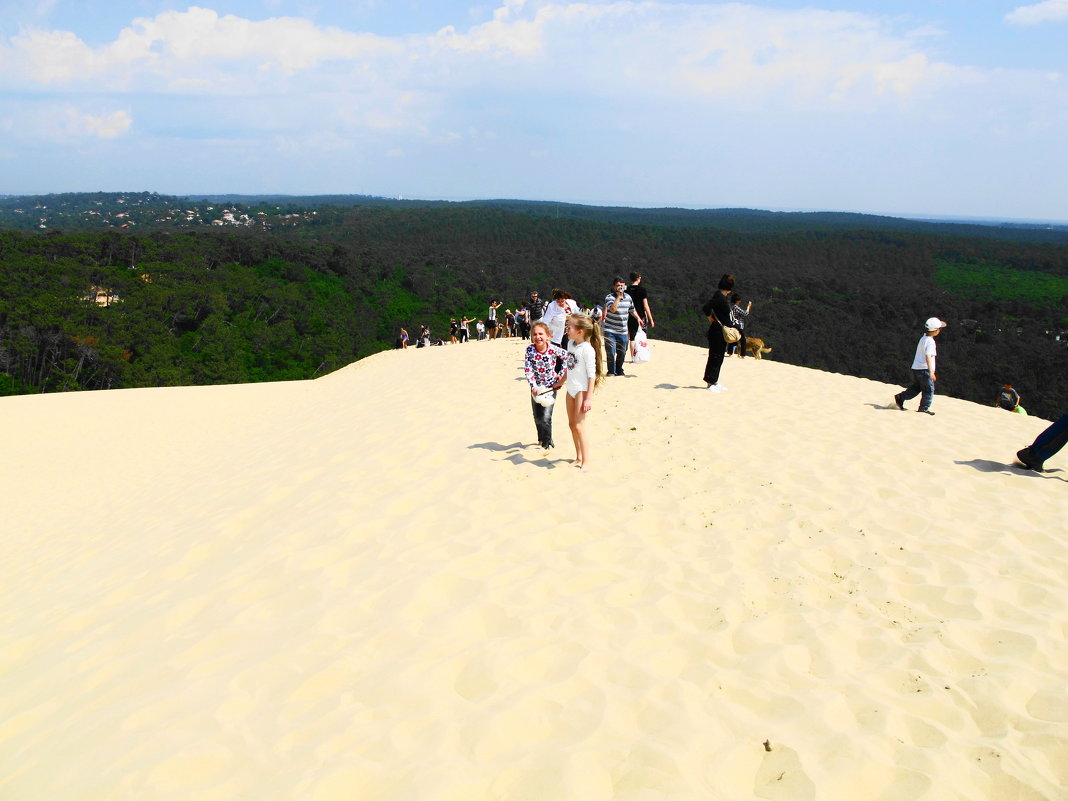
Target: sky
(955, 108)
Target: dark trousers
(1051, 440)
(716, 349)
(923, 386)
(543, 421)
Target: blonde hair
(540, 324)
(592, 334)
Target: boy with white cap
(923, 369)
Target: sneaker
(713, 388)
(721, 388)
(1027, 459)
(896, 404)
(925, 411)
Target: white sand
(365, 587)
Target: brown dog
(756, 347)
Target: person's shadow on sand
(988, 466)
(496, 446)
(519, 455)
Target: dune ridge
(373, 586)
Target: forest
(290, 291)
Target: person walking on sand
(522, 322)
(545, 368)
(533, 309)
(644, 318)
(718, 311)
(1045, 446)
(491, 320)
(585, 372)
(618, 308)
(923, 369)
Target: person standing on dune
(718, 311)
(545, 368)
(923, 369)
(618, 308)
(644, 314)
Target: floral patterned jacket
(545, 369)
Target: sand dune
(372, 586)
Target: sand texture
(373, 586)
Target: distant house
(101, 296)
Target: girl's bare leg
(576, 419)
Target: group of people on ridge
(577, 349)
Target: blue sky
(942, 107)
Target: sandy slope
(366, 587)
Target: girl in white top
(585, 371)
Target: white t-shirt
(581, 367)
(924, 348)
(556, 319)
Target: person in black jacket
(718, 311)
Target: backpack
(1009, 399)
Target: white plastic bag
(641, 346)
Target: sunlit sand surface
(375, 586)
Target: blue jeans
(921, 385)
(1051, 440)
(615, 350)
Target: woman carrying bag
(718, 311)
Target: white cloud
(538, 66)
(192, 47)
(34, 124)
(286, 43)
(729, 52)
(1036, 14)
(102, 126)
(52, 56)
(605, 48)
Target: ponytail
(594, 336)
(596, 339)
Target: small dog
(756, 347)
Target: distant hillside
(215, 291)
(148, 210)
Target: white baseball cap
(933, 324)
